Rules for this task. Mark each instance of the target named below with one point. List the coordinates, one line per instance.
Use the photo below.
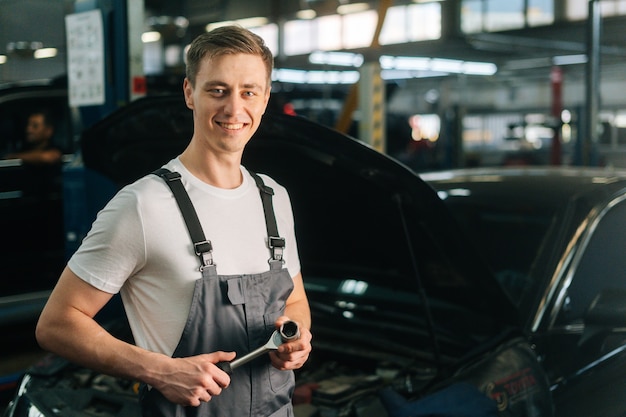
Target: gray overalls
(232, 313)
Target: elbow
(43, 334)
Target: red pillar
(556, 81)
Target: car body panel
(562, 256)
(393, 287)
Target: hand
(195, 379)
(292, 354)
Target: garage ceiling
(518, 53)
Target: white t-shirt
(139, 246)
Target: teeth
(232, 126)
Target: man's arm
(294, 354)
(38, 156)
(67, 327)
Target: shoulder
(144, 192)
(269, 182)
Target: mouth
(232, 126)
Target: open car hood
(373, 237)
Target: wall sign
(85, 55)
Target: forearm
(82, 340)
(67, 328)
(297, 306)
(299, 312)
(185, 381)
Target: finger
(222, 379)
(203, 397)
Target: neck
(218, 172)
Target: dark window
(603, 265)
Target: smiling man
(192, 303)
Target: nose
(233, 105)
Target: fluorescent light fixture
(352, 8)
(250, 22)
(148, 37)
(290, 76)
(479, 68)
(404, 63)
(436, 66)
(294, 76)
(253, 22)
(306, 14)
(620, 120)
(570, 59)
(45, 53)
(393, 74)
(344, 59)
(447, 65)
(3, 59)
(216, 25)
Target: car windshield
(507, 232)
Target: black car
(556, 240)
(31, 201)
(407, 318)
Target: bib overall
(232, 313)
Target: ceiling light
(436, 66)
(344, 59)
(45, 53)
(447, 65)
(570, 59)
(294, 76)
(306, 14)
(404, 63)
(148, 37)
(216, 25)
(3, 59)
(479, 68)
(253, 22)
(352, 8)
(250, 22)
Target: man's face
(37, 132)
(229, 98)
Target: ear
(188, 91)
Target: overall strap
(202, 247)
(275, 243)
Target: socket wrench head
(289, 330)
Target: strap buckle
(204, 250)
(277, 246)
(171, 176)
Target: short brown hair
(226, 40)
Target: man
(38, 148)
(185, 320)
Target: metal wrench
(288, 331)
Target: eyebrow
(216, 83)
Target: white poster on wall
(85, 58)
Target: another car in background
(406, 314)
(555, 238)
(31, 201)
